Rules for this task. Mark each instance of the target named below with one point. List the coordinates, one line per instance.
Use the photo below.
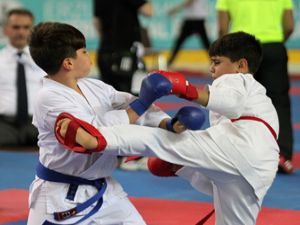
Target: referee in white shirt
(19, 81)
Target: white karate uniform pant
(121, 212)
(235, 201)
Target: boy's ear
(67, 64)
(243, 66)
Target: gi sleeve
(120, 102)
(227, 95)
(49, 105)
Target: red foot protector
(69, 140)
(161, 168)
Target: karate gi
(101, 105)
(235, 162)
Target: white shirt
(198, 9)
(101, 106)
(8, 78)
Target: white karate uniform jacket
(236, 162)
(101, 106)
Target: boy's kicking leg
(192, 149)
(234, 197)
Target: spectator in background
(5, 6)
(119, 30)
(19, 81)
(120, 35)
(272, 23)
(195, 15)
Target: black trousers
(188, 28)
(120, 82)
(12, 134)
(273, 75)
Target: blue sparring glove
(191, 117)
(153, 87)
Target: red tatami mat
(13, 205)
(170, 212)
(13, 208)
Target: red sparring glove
(69, 141)
(162, 168)
(180, 86)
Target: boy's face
(221, 65)
(82, 63)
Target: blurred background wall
(161, 28)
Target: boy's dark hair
(236, 46)
(19, 11)
(52, 42)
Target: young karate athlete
(235, 160)
(76, 187)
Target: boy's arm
(188, 117)
(78, 135)
(178, 85)
(85, 139)
(203, 96)
(132, 115)
(122, 112)
(228, 95)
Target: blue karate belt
(53, 176)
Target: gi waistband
(254, 118)
(53, 176)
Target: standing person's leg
(185, 31)
(104, 66)
(8, 134)
(30, 134)
(123, 83)
(203, 34)
(273, 75)
(105, 63)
